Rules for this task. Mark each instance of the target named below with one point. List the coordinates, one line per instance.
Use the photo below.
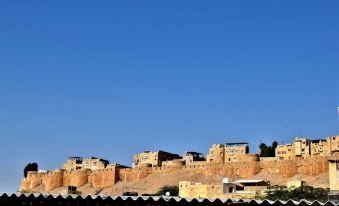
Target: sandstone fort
(301, 158)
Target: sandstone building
(303, 148)
(285, 152)
(77, 163)
(190, 157)
(153, 159)
(239, 189)
(230, 152)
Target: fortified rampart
(231, 160)
(103, 177)
(108, 177)
(288, 168)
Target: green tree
(263, 149)
(304, 192)
(30, 167)
(267, 151)
(173, 190)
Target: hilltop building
(303, 148)
(152, 158)
(191, 157)
(77, 163)
(230, 152)
(188, 159)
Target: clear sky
(113, 78)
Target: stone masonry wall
(103, 177)
(54, 180)
(76, 178)
(109, 176)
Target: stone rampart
(76, 178)
(53, 180)
(108, 177)
(103, 177)
(313, 166)
(287, 168)
(32, 180)
(131, 174)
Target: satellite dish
(167, 194)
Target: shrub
(304, 192)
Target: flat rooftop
(235, 143)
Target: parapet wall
(108, 177)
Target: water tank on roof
(225, 180)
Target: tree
(267, 151)
(173, 190)
(30, 167)
(274, 144)
(304, 192)
(263, 150)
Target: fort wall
(287, 168)
(76, 178)
(102, 178)
(32, 180)
(53, 180)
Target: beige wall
(334, 175)
(189, 189)
(198, 190)
(294, 183)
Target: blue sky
(113, 78)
